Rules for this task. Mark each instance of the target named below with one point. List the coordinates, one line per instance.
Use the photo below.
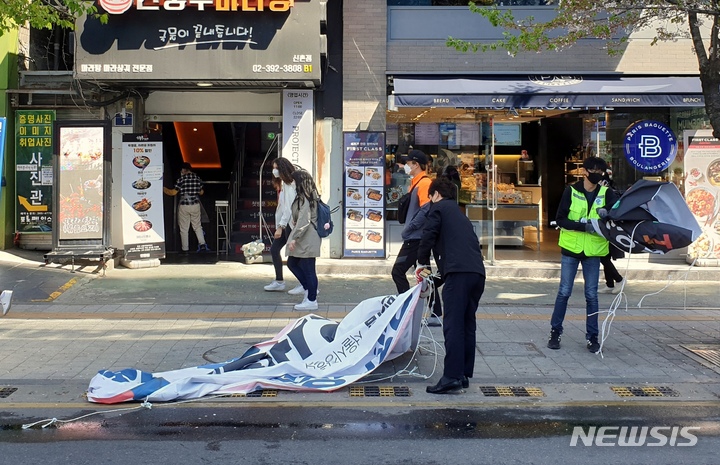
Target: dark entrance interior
(231, 172)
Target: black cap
(416, 156)
(187, 166)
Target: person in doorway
(579, 244)
(415, 165)
(190, 187)
(451, 237)
(611, 274)
(304, 242)
(282, 170)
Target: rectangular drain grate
(258, 393)
(709, 352)
(646, 391)
(5, 392)
(511, 391)
(379, 391)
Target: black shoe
(444, 386)
(593, 345)
(554, 341)
(465, 382)
(184, 252)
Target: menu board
(427, 133)
(507, 134)
(80, 184)
(364, 206)
(142, 207)
(33, 170)
(468, 134)
(702, 192)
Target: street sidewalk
(188, 314)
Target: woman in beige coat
(304, 242)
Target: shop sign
(298, 128)
(650, 146)
(364, 183)
(116, 7)
(208, 45)
(143, 224)
(33, 170)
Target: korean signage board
(3, 136)
(33, 170)
(364, 206)
(81, 185)
(201, 40)
(298, 128)
(702, 191)
(142, 206)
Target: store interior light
(204, 84)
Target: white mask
(407, 168)
(276, 173)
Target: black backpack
(404, 203)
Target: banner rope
(621, 296)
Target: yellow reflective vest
(592, 245)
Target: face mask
(407, 168)
(594, 177)
(276, 173)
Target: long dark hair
(286, 169)
(305, 188)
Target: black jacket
(450, 235)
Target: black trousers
(611, 273)
(406, 259)
(461, 293)
(275, 248)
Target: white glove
(422, 272)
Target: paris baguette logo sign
(650, 146)
(118, 7)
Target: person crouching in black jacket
(451, 236)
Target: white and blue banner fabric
(310, 354)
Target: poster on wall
(507, 134)
(80, 184)
(142, 206)
(702, 192)
(33, 170)
(364, 206)
(298, 131)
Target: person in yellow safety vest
(580, 244)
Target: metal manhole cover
(708, 352)
(5, 392)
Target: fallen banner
(310, 354)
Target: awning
(550, 92)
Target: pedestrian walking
(282, 170)
(190, 187)
(449, 233)
(304, 242)
(415, 165)
(580, 245)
